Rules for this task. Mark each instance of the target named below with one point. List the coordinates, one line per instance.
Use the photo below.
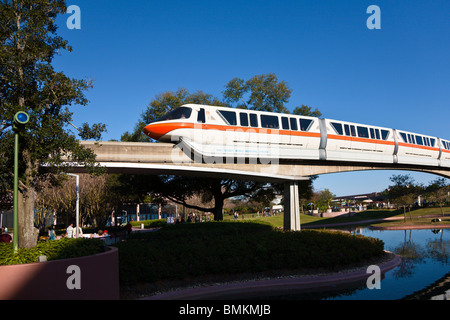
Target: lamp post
(77, 210)
(20, 120)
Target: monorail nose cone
(154, 131)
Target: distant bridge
(165, 158)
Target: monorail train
(225, 132)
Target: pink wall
(97, 276)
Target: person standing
(128, 228)
(51, 233)
(69, 231)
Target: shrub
(54, 250)
(150, 223)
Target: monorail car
(225, 132)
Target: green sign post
(20, 120)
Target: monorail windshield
(179, 113)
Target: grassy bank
(216, 248)
(417, 217)
(414, 218)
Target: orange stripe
(305, 134)
(260, 130)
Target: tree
(324, 198)
(130, 188)
(438, 191)
(214, 191)
(28, 82)
(261, 93)
(403, 192)
(307, 111)
(94, 199)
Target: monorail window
(353, 131)
(432, 141)
(253, 120)
(377, 133)
(285, 123)
(305, 124)
(228, 116)
(244, 119)
(363, 132)
(293, 124)
(201, 116)
(347, 129)
(337, 127)
(411, 139)
(419, 140)
(384, 134)
(179, 113)
(404, 137)
(269, 122)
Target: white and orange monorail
(226, 132)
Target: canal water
(425, 259)
(425, 262)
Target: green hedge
(54, 250)
(186, 250)
(150, 223)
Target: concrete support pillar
(291, 207)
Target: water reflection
(424, 266)
(425, 255)
(412, 254)
(416, 252)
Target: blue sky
(397, 76)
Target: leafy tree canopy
(261, 93)
(28, 82)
